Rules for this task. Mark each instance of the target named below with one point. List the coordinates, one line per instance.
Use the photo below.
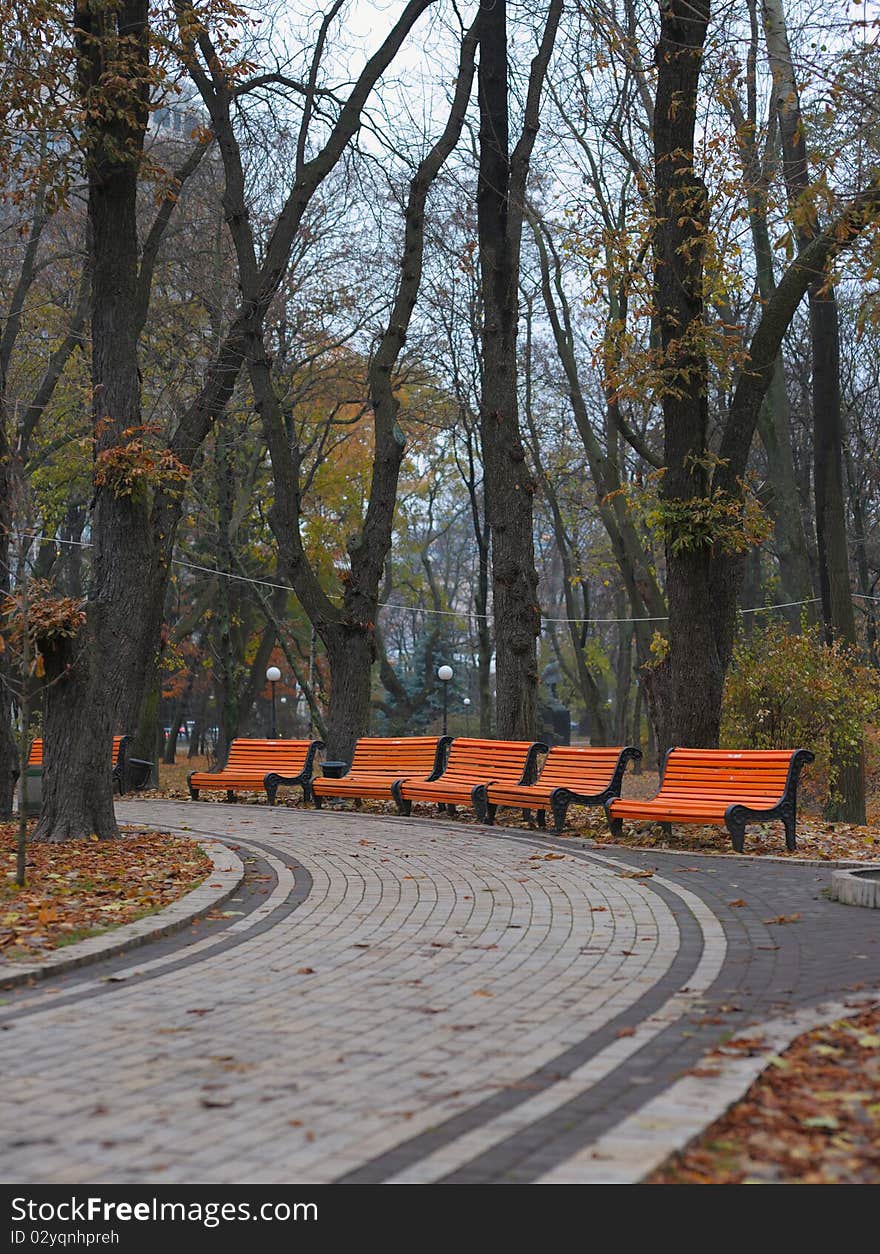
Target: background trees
(283, 377)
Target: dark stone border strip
(110, 970)
(752, 973)
(409, 1152)
(172, 918)
(636, 1147)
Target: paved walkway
(404, 1000)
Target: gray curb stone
(857, 887)
(220, 883)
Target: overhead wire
(468, 614)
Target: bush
(787, 691)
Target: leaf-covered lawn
(813, 1117)
(82, 887)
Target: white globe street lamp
(444, 674)
(273, 674)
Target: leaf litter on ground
(812, 1117)
(78, 888)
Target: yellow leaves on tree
(133, 464)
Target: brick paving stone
(411, 1001)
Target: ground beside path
(408, 1000)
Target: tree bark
(508, 485)
(847, 801)
(225, 673)
(8, 748)
(82, 705)
(684, 690)
(774, 418)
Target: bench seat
(378, 762)
(255, 765)
(471, 766)
(722, 787)
(588, 776)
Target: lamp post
(273, 674)
(467, 715)
(444, 674)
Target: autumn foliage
(789, 690)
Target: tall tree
(113, 76)
(347, 630)
(848, 796)
(509, 487)
(702, 509)
(138, 499)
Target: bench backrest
(260, 757)
(476, 760)
(35, 756)
(395, 756)
(721, 773)
(581, 769)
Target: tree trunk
(81, 711)
(484, 645)
(481, 591)
(169, 754)
(785, 506)
(774, 418)
(623, 676)
(848, 799)
(508, 485)
(635, 739)
(866, 587)
(255, 680)
(685, 688)
(8, 749)
(225, 673)
(350, 654)
(846, 802)
(75, 749)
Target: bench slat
(471, 763)
(569, 774)
(378, 762)
(733, 787)
(255, 765)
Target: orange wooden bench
(591, 777)
(118, 756)
(733, 787)
(252, 765)
(471, 764)
(378, 762)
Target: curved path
(405, 1000)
